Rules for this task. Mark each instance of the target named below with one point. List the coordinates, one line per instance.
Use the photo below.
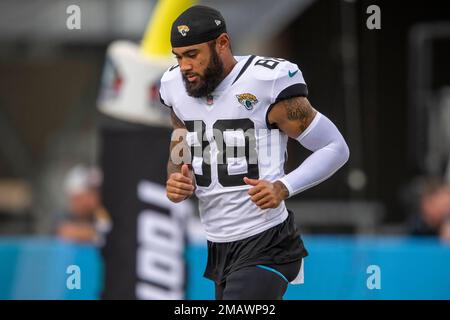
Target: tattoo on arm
(292, 116)
(300, 110)
(177, 124)
(172, 167)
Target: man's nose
(184, 66)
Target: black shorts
(260, 282)
(278, 245)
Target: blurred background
(83, 148)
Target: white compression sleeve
(330, 152)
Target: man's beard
(209, 81)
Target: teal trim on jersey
(273, 270)
(291, 74)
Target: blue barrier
(35, 268)
(410, 268)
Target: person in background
(85, 219)
(432, 213)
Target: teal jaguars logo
(248, 100)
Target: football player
(232, 116)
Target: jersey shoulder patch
(171, 74)
(267, 68)
(170, 82)
(277, 78)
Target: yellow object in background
(156, 40)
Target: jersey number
(228, 155)
(270, 63)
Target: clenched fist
(266, 194)
(180, 186)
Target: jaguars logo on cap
(183, 29)
(248, 100)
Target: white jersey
(230, 139)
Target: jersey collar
(229, 79)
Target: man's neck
(228, 65)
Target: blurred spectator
(85, 219)
(430, 205)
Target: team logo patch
(248, 100)
(183, 29)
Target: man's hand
(266, 194)
(180, 186)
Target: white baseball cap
(82, 178)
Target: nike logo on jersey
(291, 74)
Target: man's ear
(223, 42)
